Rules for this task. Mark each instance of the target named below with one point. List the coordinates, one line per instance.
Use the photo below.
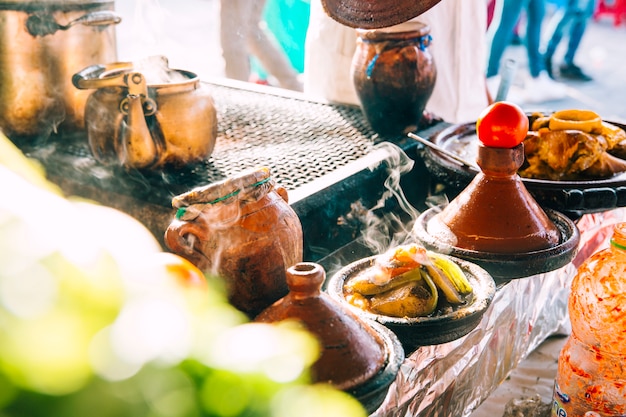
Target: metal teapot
(141, 122)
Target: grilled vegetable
(453, 271)
(375, 281)
(414, 299)
(407, 282)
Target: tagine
(424, 297)
(406, 282)
(358, 356)
(496, 213)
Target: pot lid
(375, 14)
(49, 4)
(352, 352)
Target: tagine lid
(351, 351)
(375, 14)
(495, 212)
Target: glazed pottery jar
(243, 230)
(394, 75)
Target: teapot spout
(138, 148)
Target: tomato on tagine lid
(495, 213)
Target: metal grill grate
(299, 140)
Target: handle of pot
(282, 192)
(99, 18)
(181, 237)
(91, 77)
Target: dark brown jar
(243, 230)
(394, 75)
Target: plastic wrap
(452, 379)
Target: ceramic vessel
(357, 356)
(495, 213)
(394, 75)
(243, 230)
(373, 14)
(440, 327)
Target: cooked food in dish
(571, 145)
(409, 281)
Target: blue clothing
(575, 14)
(511, 11)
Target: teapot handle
(91, 77)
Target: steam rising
(383, 229)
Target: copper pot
(43, 44)
(147, 117)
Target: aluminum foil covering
(452, 379)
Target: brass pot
(168, 119)
(43, 44)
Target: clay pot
(394, 75)
(243, 230)
(357, 356)
(495, 213)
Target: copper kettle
(147, 116)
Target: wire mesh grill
(299, 140)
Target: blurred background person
(572, 16)
(539, 87)
(458, 30)
(244, 34)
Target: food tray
(574, 198)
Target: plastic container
(591, 377)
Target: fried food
(556, 152)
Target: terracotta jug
(243, 230)
(394, 75)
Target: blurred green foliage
(94, 323)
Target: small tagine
(357, 356)
(496, 213)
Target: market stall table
(339, 174)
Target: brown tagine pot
(496, 213)
(495, 222)
(357, 356)
(373, 14)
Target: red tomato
(502, 125)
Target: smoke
(381, 228)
